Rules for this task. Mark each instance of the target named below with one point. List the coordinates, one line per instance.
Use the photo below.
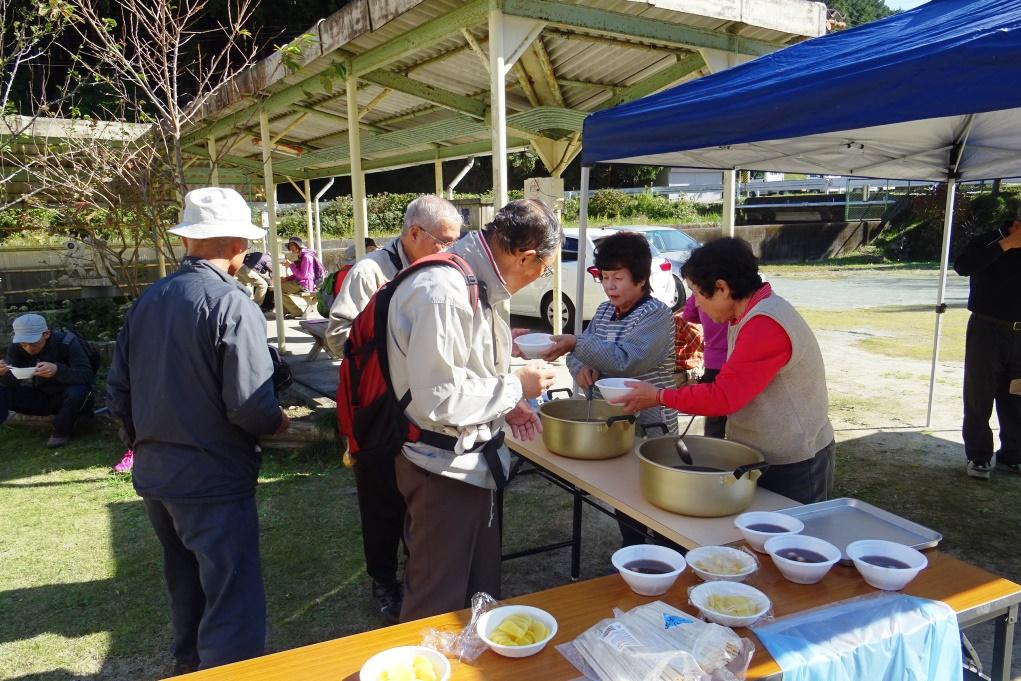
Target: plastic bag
(657, 642)
(462, 644)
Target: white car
(536, 299)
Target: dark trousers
(992, 357)
(381, 507)
(452, 532)
(214, 579)
(65, 405)
(806, 481)
(715, 426)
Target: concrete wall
(795, 242)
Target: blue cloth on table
(880, 637)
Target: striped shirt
(639, 345)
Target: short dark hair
(369, 241)
(626, 251)
(730, 259)
(524, 225)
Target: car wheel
(682, 294)
(567, 314)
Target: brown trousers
(452, 534)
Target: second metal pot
(608, 431)
(728, 487)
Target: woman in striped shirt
(630, 336)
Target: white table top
(615, 481)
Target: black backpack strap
(395, 258)
(490, 451)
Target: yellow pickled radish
(519, 630)
(418, 668)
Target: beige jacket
(366, 277)
(455, 361)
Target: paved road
(854, 289)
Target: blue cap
(29, 328)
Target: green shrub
(609, 203)
(655, 208)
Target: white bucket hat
(212, 212)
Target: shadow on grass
(310, 544)
(921, 476)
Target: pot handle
(748, 468)
(630, 418)
(646, 426)
(549, 393)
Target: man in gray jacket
(455, 361)
(431, 224)
(191, 382)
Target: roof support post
(438, 177)
(498, 103)
(308, 213)
(729, 201)
(579, 295)
(271, 213)
(214, 167)
(354, 136)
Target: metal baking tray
(842, 521)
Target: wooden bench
(317, 329)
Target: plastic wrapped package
(722, 563)
(658, 642)
(462, 644)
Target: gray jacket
(191, 380)
(366, 277)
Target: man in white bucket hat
(191, 381)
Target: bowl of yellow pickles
(731, 604)
(406, 663)
(517, 630)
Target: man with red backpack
(431, 224)
(451, 357)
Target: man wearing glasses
(431, 225)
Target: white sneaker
(979, 470)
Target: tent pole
(271, 218)
(354, 136)
(729, 201)
(948, 226)
(579, 297)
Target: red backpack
(369, 412)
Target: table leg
(576, 536)
(1003, 645)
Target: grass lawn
(896, 331)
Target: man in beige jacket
(430, 225)
(455, 361)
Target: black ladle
(682, 448)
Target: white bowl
(614, 388)
(757, 539)
(532, 345)
(378, 663)
(700, 597)
(797, 571)
(22, 372)
(886, 578)
(492, 619)
(702, 553)
(643, 583)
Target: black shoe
(388, 599)
(1009, 467)
(181, 668)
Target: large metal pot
(570, 429)
(721, 481)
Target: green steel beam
(228, 159)
(615, 23)
(429, 93)
(472, 14)
(414, 158)
(657, 81)
(336, 118)
(275, 102)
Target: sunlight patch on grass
(76, 656)
(899, 332)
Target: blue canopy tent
(931, 94)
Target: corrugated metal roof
(589, 67)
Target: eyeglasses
(547, 271)
(443, 244)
